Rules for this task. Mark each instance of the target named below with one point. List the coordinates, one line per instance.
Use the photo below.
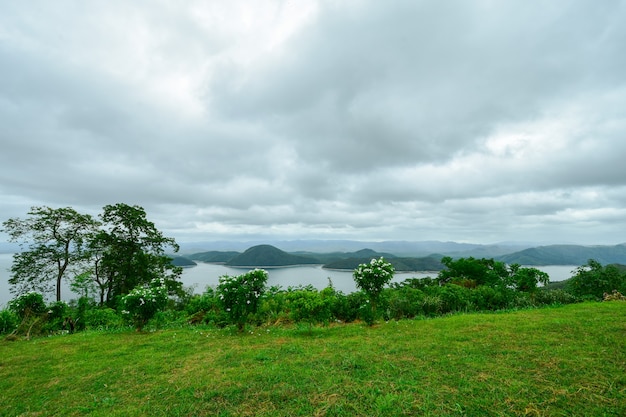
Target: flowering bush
(371, 278)
(142, 303)
(240, 295)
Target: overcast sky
(475, 121)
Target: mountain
(214, 256)
(398, 248)
(567, 255)
(269, 256)
(182, 261)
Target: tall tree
(130, 251)
(52, 243)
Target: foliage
(553, 297)
(28, 304)
(53, 244)
(57, 317)
(84, 285)
(142, 303)
(102, 318)
(478, 271)
(594, 280)
(527, 279)
(8, 321)
(240, 295)
(372, 277)
(206, 308)
(130, 253)
(309, 305)
(404, 302)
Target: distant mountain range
(423, 259)
(567, 255)
(398, 248)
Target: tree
(372, 277)
(527, 279)
(593, 280)
(471, 272)
(130, 253)
(53, 244)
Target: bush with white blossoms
(372, 277)
(142, 303)
(240, 295)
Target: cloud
(476, 121)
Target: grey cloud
(416, 120)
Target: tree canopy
(119, 252)
(53, 243)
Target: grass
(565, 361)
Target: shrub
(240, 295)
(371, 278)
(550, 297)
(57, 316)
(593, 280)
(404, 302)
(168, 318)
(309, 306)
(273, 306)
(432, 305)
(488, 298)
(102, 319)
(451, 298)
(142, 303)
(28, 304)
(345, 307)
(8, 321)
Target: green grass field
(565, 361)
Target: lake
(203, 275)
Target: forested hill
(567, 255)
(214, 256)
(268, 256)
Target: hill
(214, 256)
(426, 263)
(262, 256)
(567, 255)
(398, 248)
(182, 261)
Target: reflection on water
(203, 275)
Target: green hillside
(269, 256)
(182, 261)
(214, 256)
(567, 255)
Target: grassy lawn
(565, 361)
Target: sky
(472, 121)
